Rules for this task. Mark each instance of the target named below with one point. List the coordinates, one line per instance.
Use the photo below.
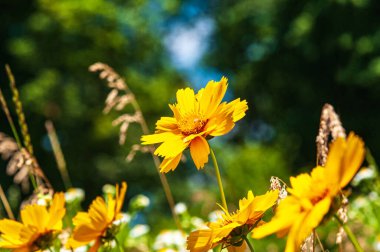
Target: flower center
(315, 200)
(191, 124)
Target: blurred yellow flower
(196, 117)
(38, 228)
(98, 223)
(312, 196)
(231, 229)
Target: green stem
(248, 243)
(217, 172)
(350, 235)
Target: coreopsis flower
(197, 117)
(313, 196)
(231, 229)
(98, 225)
(39, 227)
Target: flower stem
(217, 172)
(350, 235)
(248, 243)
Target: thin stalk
(19, 111)
(319, 242)
(10, 120)
(218, 177)
(6, 204)
(21, 121)
(248, 243)
(58, 154)
(350, 235)
(157, 163)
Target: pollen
(191, 124)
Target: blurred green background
(286, 57)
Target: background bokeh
(286, 58)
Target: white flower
(126, 218)
(215, 215)
(170, 239)
(138, 230)
(74, 194)
(142, 200)
(363, 174)
(180, 208)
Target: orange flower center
(315, 200)
(191, 124)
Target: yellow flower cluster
(38, 228)
(40, 225)
(313, 195)
(196, 118)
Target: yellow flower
(230, 229)
(196, 117)
(38, 228)
(97, 224)
(312, 196)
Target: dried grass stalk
(329, 125)
(330, 128)
(118, 98)
(21, 163)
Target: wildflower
(312, 196)
(197, 117)
(98, 223)
(170, 240)
(231, 229)
(74, 194)
(38, 228)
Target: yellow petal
(220, 124)
(211, 96)
(352, 158)
(85, 234)
(264, 202)
(166, 124)
(238, 109)
(200, 240)
(10, 233)
(171, 147)
(120, 195)
(199, 150)
(98, 213)
(169, 164)
(56, 212)
(186, 101)
(287, 212)
(36, 216)
(156, 138)
(305, 223)
(344, 159)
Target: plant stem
(248, 243)
(217, 173)
(59, 158)
(156, 160)
(350, 235)
(10, 120)
(6, 204)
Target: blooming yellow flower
(312, 196)
(38, 228)
(196, 117)
(230, 229)
(97, 224)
